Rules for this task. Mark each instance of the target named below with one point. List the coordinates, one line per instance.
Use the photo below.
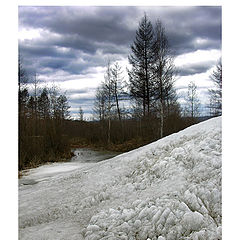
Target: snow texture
(167, 190)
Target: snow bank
(170, 189)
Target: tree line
(150, 87)
(127, 114)
(42, 116)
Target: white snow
(167, 190)
(192, 220)
(49, 171)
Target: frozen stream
(83, 159)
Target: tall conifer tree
(142, 60)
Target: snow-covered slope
(170, 189)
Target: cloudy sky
(70, 46)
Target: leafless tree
(216, 93)
(80, 112)
(192, 101)
(109, 92)
(100, 103)
(117, 84)
(164, 72)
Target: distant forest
(47, 133)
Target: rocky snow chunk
(167, 190)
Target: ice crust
(167, 190)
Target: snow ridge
(167, 190)
(190, 210)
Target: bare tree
(109, 90)
(117, 84)
(164, 71)
(192, 101)
(44, 104)
(100, 103)
(53, 92)
(216, 93)
(34, 102)
(80, 112)
(23, 77)
(23, 94)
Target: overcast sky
(70, 46)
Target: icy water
(86, 155)
(83, 158)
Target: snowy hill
(170, 189)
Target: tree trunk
(109, 130)
(117, 103)
(161, 120)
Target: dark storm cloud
(76, 40)
(82, 26)
(184, 25)
(54, 63)
(111, 31)
(43, 50)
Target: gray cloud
(194, 68)
(109, 29)
(82, 26)
(78, 39)
(185, 25)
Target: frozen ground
(83, 158)
(170, 189)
